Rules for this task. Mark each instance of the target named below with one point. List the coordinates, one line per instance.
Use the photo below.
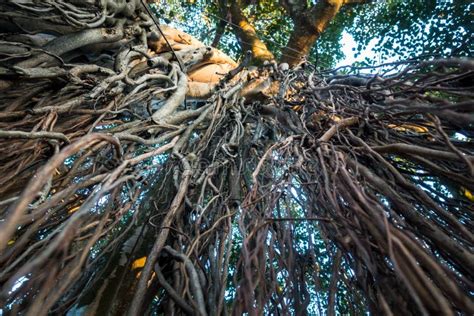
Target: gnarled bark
(246, 33)
(116, 196)
(309, 24)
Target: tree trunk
(247, 35)
(309, 25)
(121, 194)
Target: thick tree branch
(247, 35)
(309, 25)
(222, 23)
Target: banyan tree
(143, 172)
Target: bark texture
(309, 24)
(247, 34)
(284, 192)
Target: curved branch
(34, 135)
(194, 278)
(249, 40)
(173, 102)
(174, 295)
(72, 41)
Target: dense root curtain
(317, 193)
